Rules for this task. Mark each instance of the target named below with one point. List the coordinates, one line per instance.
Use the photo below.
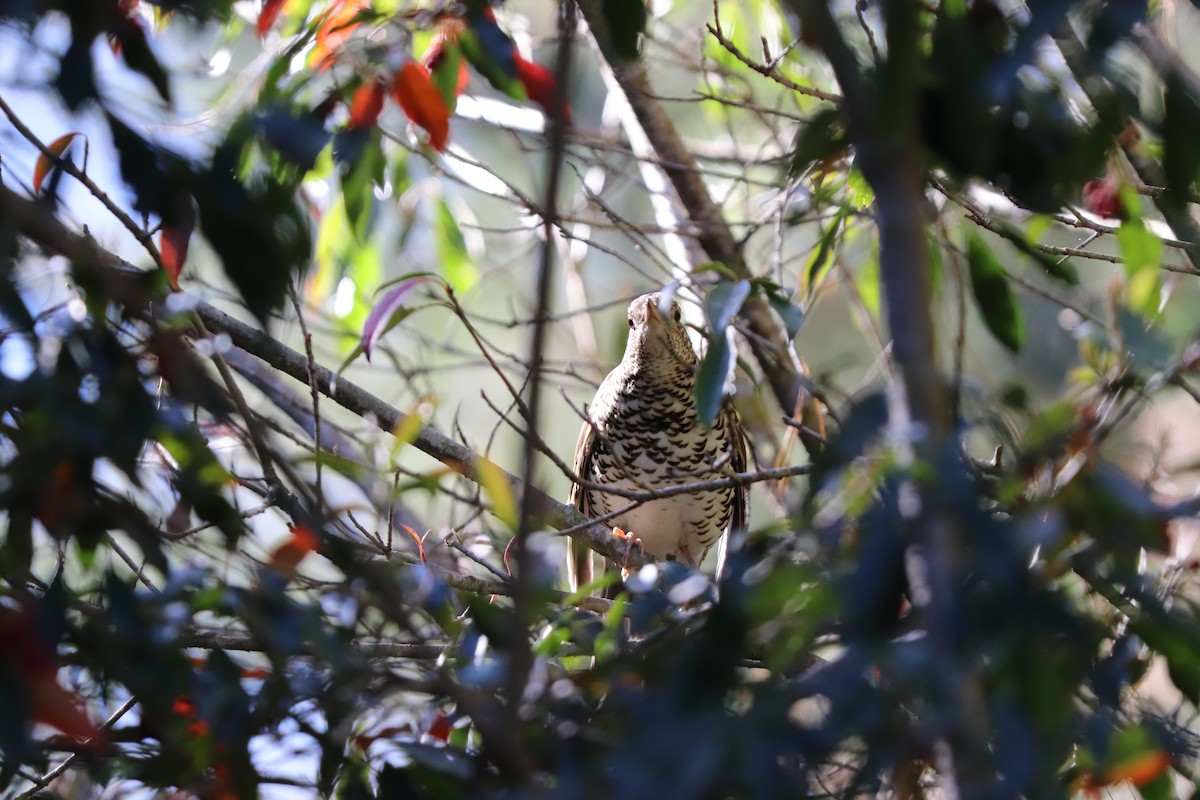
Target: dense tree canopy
(302, 303)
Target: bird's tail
(579, 565)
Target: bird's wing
(579, 555)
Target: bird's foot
(632, 542)
(687, 556)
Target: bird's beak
(652, 313)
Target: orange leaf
(1139, 770)
(366, 105)
(416, 93)
(266, 17)
(419, 540)
(289, 554)
(336, 25)
(46, 162)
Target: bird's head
(657, 335)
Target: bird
(642, 432)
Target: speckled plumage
(643, 433)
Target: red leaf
(1103, 197)
(32, 662)
(541, 87)
(45, 162)
(416, 93)
(174, 238)
(383, 312)
(366, 105)
(440, 727)
(266, 17)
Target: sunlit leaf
(997, 303)
(458, 267)
(499, 491)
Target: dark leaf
(138, 56)
(997, 303)
(821, 137)
(723, 302)
(142, 167)
(626, 23)
(1181, 146)
(76, 80)
(298, 138)
(713, 375)
(791, 314)
(259, 232)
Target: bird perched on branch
(643, 434)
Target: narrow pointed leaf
(997, 303)
(46, 163)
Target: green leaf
(823, 256)
(717, 267)
(1141, 252)
(713, 375)
(446, 73)
(458, 268)
(359, 182)
(999, 307)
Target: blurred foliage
(136, 585)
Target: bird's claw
(632, 542)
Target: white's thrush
(643, 433)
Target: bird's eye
(678, 314)
(631, 322)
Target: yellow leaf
(498, 489)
